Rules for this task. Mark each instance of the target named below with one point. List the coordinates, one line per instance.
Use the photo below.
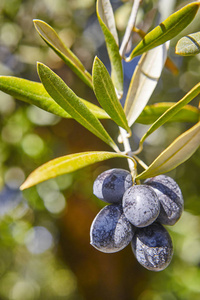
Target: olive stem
(127, 150)
(140, 148)
(140, 162)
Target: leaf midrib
(85, 107)
(174, 152)
(75, 157)
(164, 34)
(113, 102)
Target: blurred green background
(44, 233)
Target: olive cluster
(136, 214)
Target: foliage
(180, 150)
(136, 110)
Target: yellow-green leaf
(168, 29)
(34, 93)
(68, 100)
(188, 45)
(106, 95)
(144, 81)
(67, 164)
(152, 112)
(107, 23)
(49, 35)
(172, 111)
(175, 154)
(107, 16)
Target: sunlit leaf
(179, 151)
(49, 35)
(172, 111)
(144, 81)
(168, 29)
(107, 23)
(169, 64)
(188, 45)
(106, 95)
(107, 16)
(68, 100)
(152, 112)
(67, 164)
(34, 93)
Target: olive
(110, 230)
(152, 246)
(170, 197)
(141, 205)
(111, 185)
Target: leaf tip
(24, 186)
(128, 59)
(40, 65)
(36, 23)
(96, 60)
(95, 64)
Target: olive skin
(111, 185)
(141, 205)
(152, 246)
(170, 198)
(110, 230)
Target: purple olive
(141, 205)
(110, 230)
(152, 247)
(170, 198)
(111, 185)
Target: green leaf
(106, 95)
(68, 100)
(106, 14)
(49, 35)
(144, 81)
(152, 112)
(34, 93)
(167, 30)
(172, 111)
(175, 154)
(188, 45)
(107, 23)
(67, 164)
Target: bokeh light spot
(32, 145)
(38, 240)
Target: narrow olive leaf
(188, 45)
(34, 93)
(175, 154)
(144, 81)
(167, 30)
(172, 111)
(67, 164)
(107, 16)
(106, 95)
(107, 23)
(151, 113)
(49, 35)
(68, 100)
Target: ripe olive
(111, 185)
(152, 247)
(110, 230)
(170, 197)
(141, 205)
